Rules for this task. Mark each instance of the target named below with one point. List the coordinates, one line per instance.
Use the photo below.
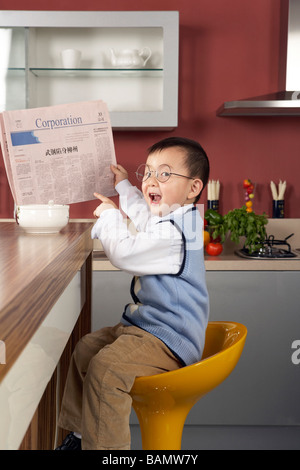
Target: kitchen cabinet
(45, 307)
(264, 387)
(262, 393)
(140, 94)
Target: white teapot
(130, 58)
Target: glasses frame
(156, 173)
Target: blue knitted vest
(175, 308)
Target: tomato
(246, 183)
(205, 222)
(214, 249)
(250, 189)
(206, 237)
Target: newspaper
(60, 153)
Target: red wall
(228, 50)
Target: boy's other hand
(106, 204)
(119, 172)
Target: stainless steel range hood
(282, 103)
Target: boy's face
(163, 198)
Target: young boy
(164, 328)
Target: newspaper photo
(61, 153)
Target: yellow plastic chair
(162, 402)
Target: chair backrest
(220, 336)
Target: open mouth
(155, 198)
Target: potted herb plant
(239, 223)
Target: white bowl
(42, 218)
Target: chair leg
(161, 431)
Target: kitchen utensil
(213, 194)
(130, 58)
(70, 58)
(42, 218)
(278, 199)
(278, 209)
(278, 195)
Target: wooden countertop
(35, 270)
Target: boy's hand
(106, 204)
(119, 172)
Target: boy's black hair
(196, 158)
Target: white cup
(70, 58)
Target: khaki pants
(103, 368)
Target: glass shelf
(103, 72)
(15, 71)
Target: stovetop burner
(271, 249)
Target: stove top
(271, 249)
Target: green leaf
(240, 223)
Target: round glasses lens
(141, 173)
(163, 173)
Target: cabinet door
(127, 59)
(13, 89)
(111, 292)
(264, 387)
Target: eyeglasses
(162, 174)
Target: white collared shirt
(149, 248)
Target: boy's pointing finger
(101, 197)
